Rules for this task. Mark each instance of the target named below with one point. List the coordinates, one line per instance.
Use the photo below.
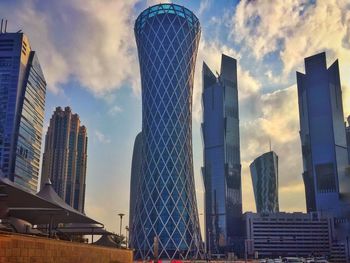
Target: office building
(22, 103)
(323, 139)
(65, 157)
(264, 172)
(135, 177)
(324, 145)
(288, 235)
(166, 224)
(222, 165)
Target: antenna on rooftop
(5, 25)
(2, 20)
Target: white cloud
(278, 122)
(114, 110)
(87, 40)
(210, 53)
(101, 138)
(294, 29)
(203, 6)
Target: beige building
(65, 157)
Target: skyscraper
(323, 139)
(222, 163)
(135, 177)
(264, 172)
(22, 102)
(65, 157)
(166, 219)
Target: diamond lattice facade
(165, 223)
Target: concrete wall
(20, 248)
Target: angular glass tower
(22, 102)
(323, 139)
(166, 219)
(222, 164)
(264, 172)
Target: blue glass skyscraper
(324, 147)
(166, 219)
(222, 164)
(323, 139)
(22, 102)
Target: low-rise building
(288, 234)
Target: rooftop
(165, 9)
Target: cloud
(261, 28)
(210, 52)
(101, 138)
(114, 110)
(203, 7)
(278, 122)
(85, 40)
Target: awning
(14, 198)
(70, 215)
(44, 208)
(106, 241)
(82, 229)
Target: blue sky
(88, 54)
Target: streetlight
(121, 222)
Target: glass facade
(324, 147)
(222, 168)
(323, 138)
(135, 177)
(65, 157)
(264, 172)
(22, 100)
(166, 219)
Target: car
(292, 260)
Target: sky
(88, 54)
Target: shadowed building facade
(165, 223)
(65, 157)
(22, 100)
(135, 178)
(264, 172)
(222, 165)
